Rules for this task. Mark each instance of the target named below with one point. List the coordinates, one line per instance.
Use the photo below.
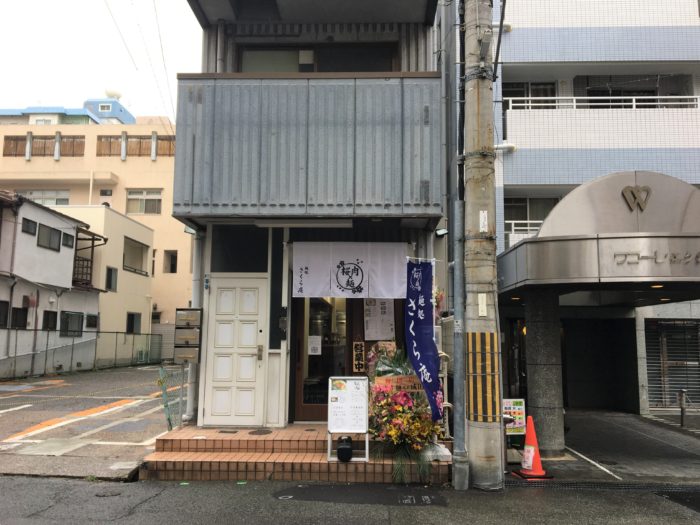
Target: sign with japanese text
(420, 343)
(348, 405)
(516, 409)
(379, 320)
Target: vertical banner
(420, 345)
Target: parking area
(92, 424)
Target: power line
(121, 35)
(162, 54)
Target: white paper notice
(379, 320)
(348, 404)
(315, 342)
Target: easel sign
(348, 410)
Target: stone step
(281, 466)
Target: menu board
(379, 320)
(348, 404)
(516, 409)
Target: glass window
(29, 226)
(50, 320)
(4, 309)
(68, 240)
(170, 261)
(92, 321)
(143, 201)
(49, 238)
(111, 279)
(133, 323)
(19, 318)
(47, 197)
(71, 324)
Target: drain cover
(260, 432)
(310, 430)
(227, 431)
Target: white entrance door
(236, 352)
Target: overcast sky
(63, 52)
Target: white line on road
(14, 408)
(601, 467)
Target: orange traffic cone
(531, 463)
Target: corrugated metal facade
(308, 146)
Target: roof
(11, 198)
(90, 109)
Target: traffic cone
(531, 463)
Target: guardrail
(516, 231)
(643, 102)
(25, 353)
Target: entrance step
(281, 466)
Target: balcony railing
(516, 231)
(643, 102)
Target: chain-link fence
(25, 353)
(173, 382)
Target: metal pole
(460, 458)
(681, 402)
(483, 363)
(197, 295)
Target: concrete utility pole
(485, 433)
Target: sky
(63, 52)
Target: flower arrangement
(401, 419)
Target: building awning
(627, 239)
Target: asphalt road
(44, 501)
(91, 424)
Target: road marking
(14, 408)
(71, 418)
(601, 467)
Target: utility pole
(483, 389)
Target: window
(47, 197)
(138, 146)
(111, 279)
(166, 146)
(29, 226)
(92, 321)
(19, 318)
(68, 240)
(105, 193)
(4, 309)
(135, 256)
(133, 323)
(105, 107)
(109, 146)
(170, 261)
(14, 146)
(71, 324)
(155, 317)
(143, 201)
(43, 146)
(49, 238)
(153, 263)
(50, 321)
(73, 146)
(43, 122)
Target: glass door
(320, 351)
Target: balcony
(570, 140)
(516, 231)
(308, 145)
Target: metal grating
(673, 360)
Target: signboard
(358, 357)
(315, 344)
(379, 320)
(348, 405)
(515, 408)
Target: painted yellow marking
(479, 394)
(489, 378)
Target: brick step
(243, 441)
(281, 466)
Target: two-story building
(310, 163)
(45, 264)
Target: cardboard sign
(516, 409)
(348, 405)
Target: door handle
(260, 352)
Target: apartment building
(587, 89)
(102, 155)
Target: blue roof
(90, 109)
